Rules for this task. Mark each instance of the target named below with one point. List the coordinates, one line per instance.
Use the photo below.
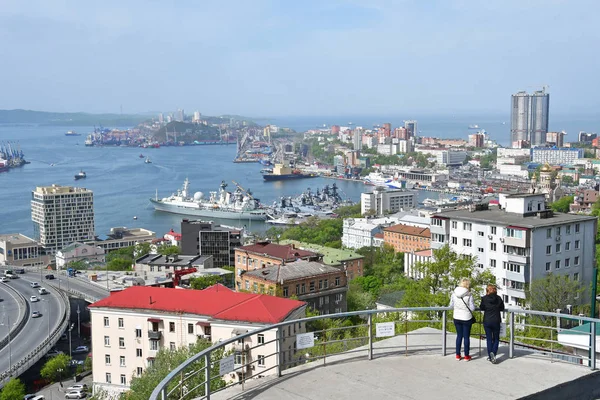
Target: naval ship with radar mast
(239, 204)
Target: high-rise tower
(529, 117)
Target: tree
(553, 292)
(202, 282)
(562, 204)
(349, 211)
(142, 248)
(567, 180)
(119, 264)
(142, 386)
(167, 250)
(14, 389)
(54, 367)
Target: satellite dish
(351, 221)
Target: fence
(235, 360)
(22, 319)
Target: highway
(36, 330)
(10, 310)
(80, 287)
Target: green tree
(14, 389)
(562, 204)
(567, 180)
(202, 282)
(142, 248)
(142, 386)
(167, 250)
(54, 367)
(553, 292)
(349, 211)
(119, 264)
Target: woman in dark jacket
(492, 304)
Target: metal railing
(18, 325)
(39, 351)
(235, 360)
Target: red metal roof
(280, 251)
(217, 302)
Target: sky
(267, 58)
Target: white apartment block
(556, 156)
(360, 232)
(381, 200)
(509, 152)
(62, 215)
(421, 177)
(131, 326)
(520, 241)
(513, 170)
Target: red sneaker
(458, 357)
(467, 358)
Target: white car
(76, 394)
(34, 299)
(3, 279)
(80, 387)
(35, 285)
(81, 349)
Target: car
(42, 290)
(35, 285)
(63, 336)
(76, 394)
(3, 279)
(83, 387)
(53, 353)
(20, 271)
(29, 396)
(34, 299)
(75, 363)
(50, 276)
(80, 349)
(36, 314)
(37, 397)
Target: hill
(67, 119)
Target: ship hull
(269, 177)
(199, 212)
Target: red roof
(217, 302)
(176, 236)
(283, 252)
(409, 230)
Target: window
(577, 245)
(454, 240)
(139, 371)
(436, 237)
(138, 352)
(568, 229)
(467, 242)
(151, 362)
(303, 288)
(558, 247)
(247, 283)
(567, 246)
(172, 346)
(436, 221)
(320, 284)
(513, 233)
(548, 233)
(557, 264)
(576, 228)
(122, 361)
(123, 380)
(121, 324)
(480, 249)
(261, 338)
(261, 360)
(138, 333)
(558, 231)
(492, 263)
(576, 261)
(239, 259)
(548, 249)
(106, 341)
(337, 281)
(122, 342)
(108, 379)
(285, 291)
(576, 276)
(106, 321)
(567, 262)
(154, 345)
(493, 229)
(512, 267)
(191, 329)
(479, 265)
(466, 226)
(239, 358)
(454, 225)
(255, 287)
(326, 283)
(493, 246)
(338, 297)
(312, 286)
(547, 266)
(107, 359)
(480, 233)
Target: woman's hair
(466, 283)
(491, 289)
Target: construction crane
(179, 273)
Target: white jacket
(461, 311)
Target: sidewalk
(55, 392)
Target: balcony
(154, 335)
(513, 241)
(516, 258)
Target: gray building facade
(529, 117)
(208, 239)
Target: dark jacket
(492, 304)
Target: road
(11, 311)
(91, 292)
(36, 330)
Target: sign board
(305, 340)
(385, 329)
(502, 329)
(226, 365)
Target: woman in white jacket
(463, 304)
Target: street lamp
(78, 322)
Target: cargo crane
(179, 273)
(247, 192)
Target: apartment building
(132, 325)
(407, 239)
(209, 239)
(346, 260)
(360, 232)
(323, 287)
(62, 215)
(121, 237)
(520, 241)
(381, 201)
(555, 156)
(19, 250)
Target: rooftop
(501, 217)
(57, 189)
(279, 251)
(331, 256)
(180, 260)
(16, 238)
(293, 270)
(217, 302)
(409, 230)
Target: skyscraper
(529, 117)
(411, 128)
(357, 138)
(62, 215)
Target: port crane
(247, 192)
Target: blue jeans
(463, 331)
(492, 336)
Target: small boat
(147, 161)
(134, 217)
(142, 156)
(80, 175)
(72, 133)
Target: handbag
(473, 319)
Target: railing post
(163, 394)
(370, 326)
(511, 345)
(279, 347)
(593, 346)
(444, 333)
(207, 375)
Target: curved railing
(203, 373)
(22, 318)
(38, 352)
